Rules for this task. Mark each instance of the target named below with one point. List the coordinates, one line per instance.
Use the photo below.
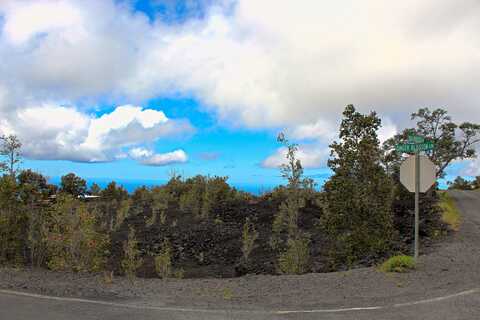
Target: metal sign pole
(417, 202)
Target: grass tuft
(450, 214)
(400, 264)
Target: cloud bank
(260, 64)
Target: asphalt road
(460, 300)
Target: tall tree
(452, 141)
(358, 197)
(10, 149)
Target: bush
(72, 241)
(163, 262)
(249, 236)
(296, 259)
(131, 260)
(400, 263)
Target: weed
(295, 260)
(249, 236)
(163, 262)
(399, 264)
(132, 260)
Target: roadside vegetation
(398, 264)
(450, 213)
(202, 227)
(462, 184)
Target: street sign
(414, 147)
(428, 173)
(417, 174)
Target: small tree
(132, 260)
(163, 262)
(286, 233)
(249, 236)
(461, 184)
(296, 258)
(95, 189)
(358, 197)
(73, 185)
(452, 140)
(10, 149)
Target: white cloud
(163, 159)
(138, 153)
(318, 130)
(57, 132)
(311, 157)
(293, 67)
(387, 131)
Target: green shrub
(249, 236)
(296, 259)
(400, 263)
(179, 274)
(132, 260)
(72, 241)
(163, 262)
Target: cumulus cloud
(138, 153)
(58, 132)
(163, 159)
(293, 67)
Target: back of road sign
(428, 173)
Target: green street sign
(414, 148)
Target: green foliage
(476, 183)
(450, 213)
(292, 171)
(202, 195)
(452, 141)
(163, 261)
(296, 258)
(13, 222)
(400, 264)
(73, 185)
(461, 184)
(72, 241)
(179, 274)
(115, 205)
(249, 236)
(286, 234)
(286, 220)
(358, 197)
(131, 255)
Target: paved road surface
(456, 304)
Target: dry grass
(451, 214)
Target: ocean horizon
(132, 184)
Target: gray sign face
(428, 173)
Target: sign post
(417, 204)
(417, 174)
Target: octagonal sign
(428, 173)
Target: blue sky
(125, 89)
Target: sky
(137, 90)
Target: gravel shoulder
(452, 266)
